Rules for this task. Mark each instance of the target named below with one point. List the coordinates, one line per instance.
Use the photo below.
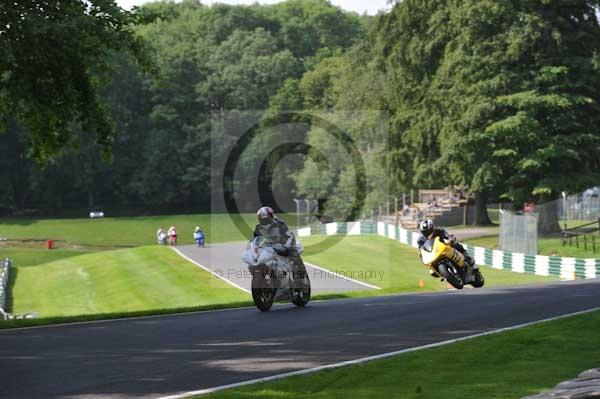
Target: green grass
(500, 366)
(85, 277)
(130, 280)
(546, 246)
(398, 264)
(124, 232)
(24, 257)
(138, 281)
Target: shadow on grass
(18, 220)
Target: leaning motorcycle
(450, 264)
(272, 276)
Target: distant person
(199, 237)
(172, 233)
(161, 237)
(405, 210)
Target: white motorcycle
(272, 276)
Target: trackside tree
(53, 56)
(500, 95)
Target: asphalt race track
(225, 260)
(154, 357)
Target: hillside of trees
(502, 96)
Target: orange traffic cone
(421, 283)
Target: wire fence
(4, 272)
(583, 206)
(519, 232)
(572, 220)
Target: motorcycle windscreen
(428, 246)
(427, 255)
(265, 256)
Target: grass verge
(25, 257)
(500, 366)
(116, 282)
(394, 267)
(154, 280)
(124, 232)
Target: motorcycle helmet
(426, 227)
(265, 216)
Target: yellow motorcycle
(448, 263)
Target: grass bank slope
(390, 265)
(127, 280)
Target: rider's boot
(471, 262)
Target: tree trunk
(548, 219)
(481, 215)
(91, 203)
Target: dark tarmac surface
(160, 356)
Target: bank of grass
(125, 232)
(507, 365)
(546, 246)
(394, 267)
(154, 280)
(24, 257)
(66, 285)
(120, 281)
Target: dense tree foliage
(52, 56)
(502, 96)
(204, 59)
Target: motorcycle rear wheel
(302, 292)
(263, 294)
(448, 273)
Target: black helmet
(426, 227)
(265, 215)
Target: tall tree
(498, 95)
(52, 56)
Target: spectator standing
(172, 233)
(405, 210)
(199, 236)
(161, 237)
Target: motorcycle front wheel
(263, 293)
(301, 292)
(450, 273)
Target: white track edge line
(342, 276)
(369, 358)
(212, 272)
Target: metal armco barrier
(4, 272)
(563, 267)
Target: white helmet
(265, 215)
